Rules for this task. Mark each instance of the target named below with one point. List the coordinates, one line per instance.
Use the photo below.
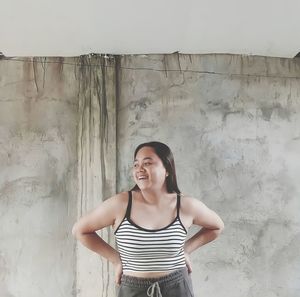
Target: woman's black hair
(167, 158)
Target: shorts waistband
(166, 280)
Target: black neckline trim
(152, 230)
(128, 211)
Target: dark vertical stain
(81, 133)
(27, 69)
(27, 77)
(92, 88)
(83, 85)
(35, 71)
(44, 65)
(102, 97)
(91, 79)
(242, 66)
(118, 76)
(57, 74)
(93, 82)
(267, 66)
(165, 65)
(60, 66)
(104, 137)
(36, 61)
(178, 59)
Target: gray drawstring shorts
(176, 284)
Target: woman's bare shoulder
(201, 214)
(188, 199)
(190, 203)
(104, 214)
(118, 200)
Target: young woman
(150, 224)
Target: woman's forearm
(95, 243)
(201, 238)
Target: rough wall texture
(38, 161)
(58, 161)
(233, 123)
(68, 128)
(96, 165)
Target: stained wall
(233, 123)
(38, 177)
(68, 129)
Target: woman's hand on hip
(188, 262)
(118, 272)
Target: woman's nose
(140, 168)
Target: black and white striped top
(151, 249)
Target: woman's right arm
(85, 231)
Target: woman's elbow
(220, 228)
(75, 230)
(79, 229)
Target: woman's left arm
(203, 216)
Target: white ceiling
(73, 27)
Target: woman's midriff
(147, 274)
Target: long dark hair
(167, 158)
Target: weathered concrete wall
(96, 165)
(58, 161)
(233, 123)
(38, 177)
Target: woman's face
(148, 169)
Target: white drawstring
(151, 290)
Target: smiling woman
(150, 224)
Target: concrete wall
(68, 130)
(96, 165)
(233, 123)
(58, 161)
(38, 177)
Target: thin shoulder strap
(178, 204)
(128, 210)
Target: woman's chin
(143, 186)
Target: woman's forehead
(146, 153)
(144, 159)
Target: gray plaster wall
(68, 129)
(58, 161)
(96, 165)
(38, 177)
(233, 123)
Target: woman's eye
(145, 164)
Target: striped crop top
(155, 250)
